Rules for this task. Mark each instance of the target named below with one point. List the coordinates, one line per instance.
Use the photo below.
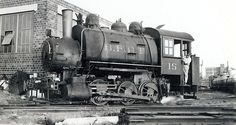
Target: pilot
(186, 62)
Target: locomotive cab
(174, 47)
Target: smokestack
(67, 22)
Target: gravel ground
(209, 97)
(206, 97)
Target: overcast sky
(212, 23)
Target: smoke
(170, 100)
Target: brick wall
(28, 62)
(45, 17)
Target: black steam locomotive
(103, 65)
(225, 82)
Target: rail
(135, 115)
(178, 115)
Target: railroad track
(51, 114)
(58, 108)
(179, 115)
(134, 115)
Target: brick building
(22, 28)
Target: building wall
(32, 34)
(30, 31)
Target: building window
(25, 33)
(168, 47)
(16, 32)
(59, 25)
(7, 42)
(8, 25)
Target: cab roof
(157, 32)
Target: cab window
(177, 45)
(168, 47)
(172, 47)
(186, 48)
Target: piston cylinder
(76, 88)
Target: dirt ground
(7, 98)
(206, 97)
(209, 97)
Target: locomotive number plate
(171, 66)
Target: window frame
(169, 47)
(24, 47)
(17, 46)
(177, 48)
(7, 48)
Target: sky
(212, 23)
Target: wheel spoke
(149, 89)
(145, 88)
(128, 88)
(122, 89)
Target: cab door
(171, 56)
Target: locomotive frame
(120, 66)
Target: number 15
(172, 66)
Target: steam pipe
(67, 15)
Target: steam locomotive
(225, 82)
(106, 65)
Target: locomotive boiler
(104, 65)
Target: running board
(126, 64)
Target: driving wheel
(127, 88)
(149, 89)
